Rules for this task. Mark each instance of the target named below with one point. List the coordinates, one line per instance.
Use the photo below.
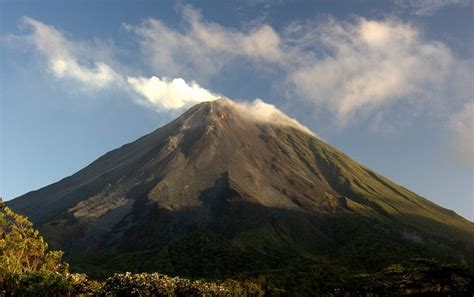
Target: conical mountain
(221, 191)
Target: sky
(390, 83)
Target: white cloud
(260, 111)
(170, 94)
(462, 125)
(98, 76)
(65, 58)
(368, 64)
(202, 48)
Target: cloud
(430, 7)
(202, 49)
(349, 68)
(260, 111)
(368, 64)
(65, 58)
(167, 94)
(462, 125)
(170, 94)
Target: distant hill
(217, 193)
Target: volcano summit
(221, 191)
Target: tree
(22, 248)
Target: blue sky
(388, 83)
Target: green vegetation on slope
(28, 268)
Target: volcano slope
(218, 193)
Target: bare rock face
(270, 189)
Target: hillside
(216, 193)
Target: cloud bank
(201, 48)
(351, 70)
(348, 68)
(77, 61)
(368, 64)
(81, 63)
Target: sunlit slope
(372, 194)
(369, 190)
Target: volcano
(221, 192)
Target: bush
(28, 268)
(47, 283)
(144, 284)
(22, 249)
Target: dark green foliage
(425, 277)
(421, 278)
(198, 254)
(47, 283)
(202, 253)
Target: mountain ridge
(267, 190)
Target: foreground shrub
(23, 249)
(47, 283)
(29, 268)
(33, 283)
(145, 284)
